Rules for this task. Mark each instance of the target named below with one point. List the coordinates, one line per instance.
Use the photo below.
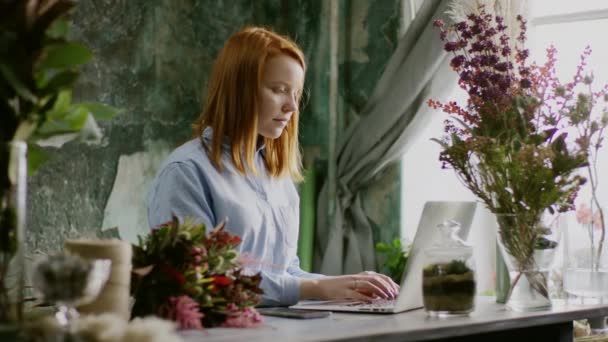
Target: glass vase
(528, 246)
(586, 260)
(13, 181)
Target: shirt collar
(208, 137)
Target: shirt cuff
(291, 291)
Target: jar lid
(448, 241)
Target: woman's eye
(279, 90)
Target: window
(570, 26)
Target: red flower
(221, 280)
(173, 273)
(235, 240)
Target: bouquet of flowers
(184, 274)
(509, 145)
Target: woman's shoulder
(189, 154)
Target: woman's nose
(290, 105)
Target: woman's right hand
(365, 286)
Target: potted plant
(38, 68)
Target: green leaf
(36, 156)
(58, 82)
(443, 144)
(20, 88)
(65, 56)
(61, 105)
(58, 29)
(61, 123)
(100, 111)
(463, 124)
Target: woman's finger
(354, 294)
(379, 282)
(369, 283)
(390, 281)
(393, 286)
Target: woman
(242, 163)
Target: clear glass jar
(448, 277)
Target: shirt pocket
(288, 223)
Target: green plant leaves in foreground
(65, 55)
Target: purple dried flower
(525, 83)
(438, 23)
(502, 66)
(496, 78)
(450, 46)
(491, 32)
(504, 83)
(476, 47)
(465, 76)
(457, 61)
(523, 54)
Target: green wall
(152, 59)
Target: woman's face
(281, 86)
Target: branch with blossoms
(590, 123)
(184, 274)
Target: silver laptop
(410, 296)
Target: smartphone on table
(293, 313)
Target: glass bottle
(448, 277)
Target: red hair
(231, 108)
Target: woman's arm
(295, 270)
(179, 191)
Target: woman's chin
(273, 134)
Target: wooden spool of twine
(114, 297)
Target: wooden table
(489, 322)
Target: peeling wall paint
(126, 208)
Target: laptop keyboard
(375, 304)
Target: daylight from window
(570, 26)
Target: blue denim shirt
(262, 210)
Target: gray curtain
(344, 243)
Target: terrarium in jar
(448, 279)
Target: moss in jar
(448, 287)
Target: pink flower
(242, 318)
(597, 220)
(184, 311)
(583, 214)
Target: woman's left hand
(381, 280)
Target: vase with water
(528, 246)
(586, 259)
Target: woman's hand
(364, 286)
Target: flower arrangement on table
(510, 144)
(188, 275)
